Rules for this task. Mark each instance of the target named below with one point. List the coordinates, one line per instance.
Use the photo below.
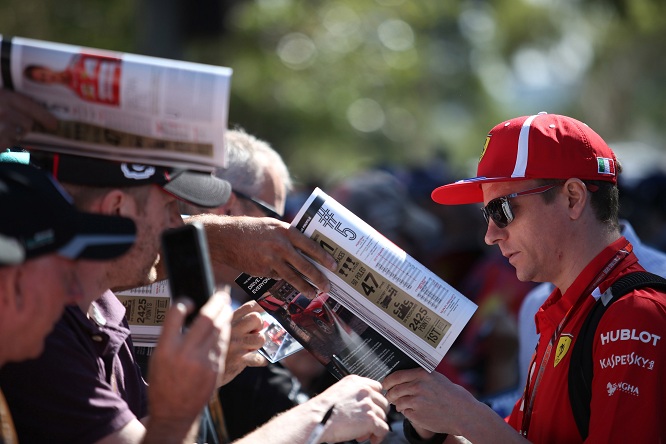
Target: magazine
(385, 310)
(326, 329)
(145, 310)
(121, 106)
(146, 307)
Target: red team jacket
(629, 353)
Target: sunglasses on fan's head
(500, 210)
(267, 209)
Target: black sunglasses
(268, 210)
(499, 209)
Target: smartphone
(185, 251)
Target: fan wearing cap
(548, 186)
(41, 238)
(148, 194)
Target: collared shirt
(629, 353)
(651, 259)
(84, 386)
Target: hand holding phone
(188, 265)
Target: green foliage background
(338, 86)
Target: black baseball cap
(39, 218)
(195, 187)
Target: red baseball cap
(542, 146)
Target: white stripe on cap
(523, 148)
(11, 251)
(79, 243)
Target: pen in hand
(318, 431)
(340, 366)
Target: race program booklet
(121, 106)
(146, 307)
(385, 310)
(325, 328)
(145, 310)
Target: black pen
(340, 366)
(318, 431)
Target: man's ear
(8, 276)
(116, 203)
(577, 196)
(12, 302)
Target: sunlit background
(339, 86)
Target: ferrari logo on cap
(485, 147)
(562, 348)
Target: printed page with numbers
(146, 307)
(378, 283)
(145, 310)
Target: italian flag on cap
(606, 166)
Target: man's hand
(360, 410)
(185, 367)
(359, 413)
(433, 404)
(423, 398)
(266, 247)
(18, 115)
(246, 339)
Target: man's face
(272, 192)
(38, 290)
(138, 267)
(532, 241)
(44, 75)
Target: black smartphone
(185, 251)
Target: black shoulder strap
(580, 368)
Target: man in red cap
(548, 184)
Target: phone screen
(188, 265)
